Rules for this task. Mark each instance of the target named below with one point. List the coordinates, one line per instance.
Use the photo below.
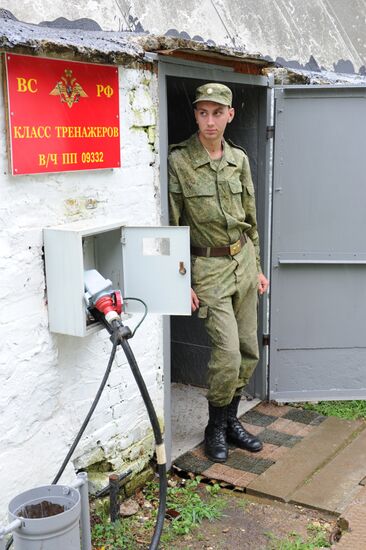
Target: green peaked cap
(219, 93)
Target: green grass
(317, 538)
(190, 507)
(188, 503)
(349, 410)
(109, 536)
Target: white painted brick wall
(48, 381)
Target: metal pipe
(82, 482)
(114, 497)
(105, 491)
(8, 529)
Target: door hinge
(266, 339)
(270, 132)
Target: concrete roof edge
(287, 76)
(110, 46)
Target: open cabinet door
(157, 269)
(318, 282)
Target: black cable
(85, 423)
(142, 318)
(89, 415)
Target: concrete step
(290, 473)
(331, 487)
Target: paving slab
(355, 514)
(329, 488)
(234, 477)
(292, 470)
(305, 417)
(242, 461)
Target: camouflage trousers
(227, 288)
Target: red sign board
(63, 115)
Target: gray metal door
(157, 269)
(318, 282)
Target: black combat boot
(215, 434)
(235, 431)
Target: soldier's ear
(231, 114)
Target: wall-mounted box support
(150, 263)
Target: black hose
(119, 335)
(158, 439)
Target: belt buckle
(235, 248)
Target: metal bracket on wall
(270, 132)
(266, 339)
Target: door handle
(182, 269)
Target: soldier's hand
(262, 284)
(195, 303)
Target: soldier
(211, 190)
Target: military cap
(219, 93)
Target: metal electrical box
(149, 263)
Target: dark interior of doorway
(190, 345)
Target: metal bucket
(50, 518)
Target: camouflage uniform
(216, 199)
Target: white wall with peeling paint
(48, 381)
(330, 32)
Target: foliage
(318, 537)
(189, 502)
(349, 410)
(191, 507)
(108, 536)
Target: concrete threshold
(189, 413)
(332, 486)
(307, 459)
(291, 473)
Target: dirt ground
(252, 523)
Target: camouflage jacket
(215, 198)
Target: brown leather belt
(230, 250)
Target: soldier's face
(212, 119)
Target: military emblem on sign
(69, 90)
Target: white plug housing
(95, 286)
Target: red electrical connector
(110, 302)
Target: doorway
(187, 346)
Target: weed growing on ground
(187, 506)
(349, 410)
(243, 503)
(189, 502)
(108, 536)
(318, 537)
